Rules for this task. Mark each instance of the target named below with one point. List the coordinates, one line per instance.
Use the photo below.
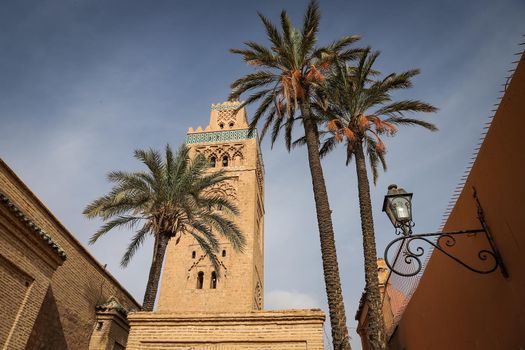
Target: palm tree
(359, 110)
(288, 73)
(168, 201)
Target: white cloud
(281, 299)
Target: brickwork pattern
(27, 266)
(110, 331)
(69, 294)
(268, 330)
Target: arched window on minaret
(213, 161)
(231, 124)
(225, 161)
(213, 282)
(237, 159)
(193, 254)
(200, 280)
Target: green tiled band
(220, 136)
(221, 107)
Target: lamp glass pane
(402, 212)
(402, 209)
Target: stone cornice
(278, 316)
(38, 232)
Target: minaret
(189, 283)
(197, 311)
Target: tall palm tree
(288, 73)
(359, 110)
(168, 201)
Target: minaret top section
(223, 117)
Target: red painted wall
(454, 308)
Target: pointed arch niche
(222, 156)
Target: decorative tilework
(220, 136)
(219, 107)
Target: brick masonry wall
(26, 268)
(269, 330)
(111, 331)
(75, 288)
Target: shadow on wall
(94, 292)
(47, 333)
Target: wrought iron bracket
(411, 252)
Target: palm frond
(136, 242)
(228, 228)
(120, 221)
(272, 32)
(152, 160)
(250, 82)
(411, 122)
(365, 66)
(301, 141)
(398, 81)
(269, 120)
(278, 121)
(327, 146)
(263, 107)
(288, 127)
(209, 249)
(310, 29)
(397, 109)
(345, 41)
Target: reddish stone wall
(454, 308)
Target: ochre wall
(262, 330)
(241, 286)
(27, 264)
(66, 308)
(454, 308)
(111, 332)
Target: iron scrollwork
(411, 250)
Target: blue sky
(84, 83)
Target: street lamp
(398, 207)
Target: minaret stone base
(262, 330)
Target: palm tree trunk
(376, 327)
(336, 306)
(154, 272)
